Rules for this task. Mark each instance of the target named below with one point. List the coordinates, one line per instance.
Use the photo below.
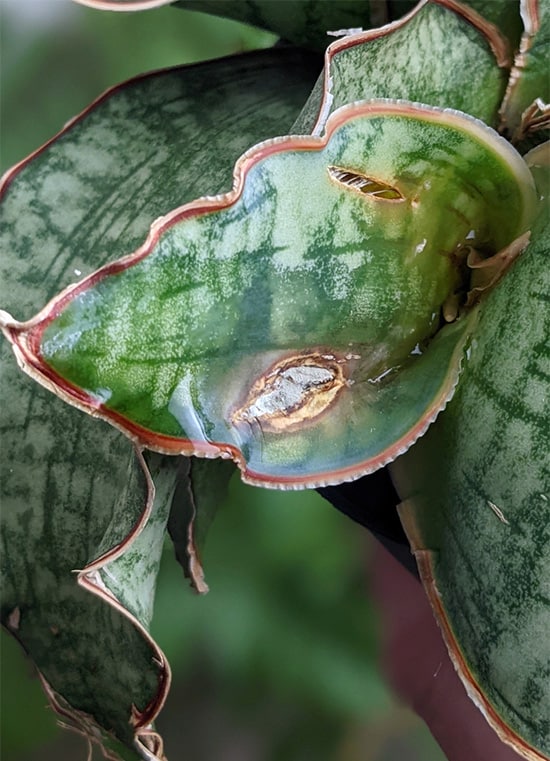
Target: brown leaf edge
(495, 39)
(25, 336)
(147, 742)
(537, 115)
(424, 561)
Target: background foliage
(280, 660)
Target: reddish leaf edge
(123, 5)
(496, 41)
(425, 563)
(25, 336)
(537, 115)
(148, 743)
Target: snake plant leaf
(476, 506)
(73, 505)
(202, 486)
(525, 110)
(73, 490)
(293, 336)
(403, 60)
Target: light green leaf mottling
(73, 489)
(477, 505)
(297, 264)
(405, 61)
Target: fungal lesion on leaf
(369, 186)
(294, 391)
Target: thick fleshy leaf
(73, 490)
(526, 110)
(404, 60)
(287, 334)
(476, 493)
(202, 486)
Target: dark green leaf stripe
(403, 60)
(294, 263)
(477, 491)
(72, 488)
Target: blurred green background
(279, 661)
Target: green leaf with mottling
(287, 324)
(476, 507)
(202, 487)
(73, 490)
(405, 60)
(526, 109)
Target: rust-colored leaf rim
(496, 41)
(123, 5)
(424, 561)
(530, 15)
(89, 578)
(26, 336)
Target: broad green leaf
(291, 335)
(202, 486)
(72, 490)
(68, 485)
(526, 110)
(476, 507)
(426, 57)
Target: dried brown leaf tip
(293, 392)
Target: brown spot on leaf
(293, 392)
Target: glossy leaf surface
(72, 488)
(476, 493)
(285, 324)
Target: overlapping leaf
(73, 491)
(526, 107)
(363, 65)
(476, 493)
(291, 335)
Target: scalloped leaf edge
(27, 352)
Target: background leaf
(405, 62)
(476, 507)
(59, 461)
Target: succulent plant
(370, 292)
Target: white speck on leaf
(498, 512)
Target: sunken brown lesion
(293, 392)
(361, 183)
